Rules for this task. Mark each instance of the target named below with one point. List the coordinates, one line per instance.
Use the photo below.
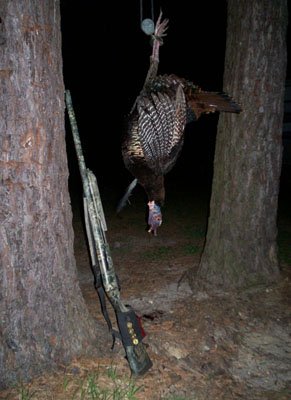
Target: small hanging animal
(153, 138)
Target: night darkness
(106, 58)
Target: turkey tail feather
(228, 104)
(206, 102)
(125, 198)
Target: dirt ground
(236, 346)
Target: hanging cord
(141, 10)
(147, 24)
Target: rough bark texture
(241, 245)
(43, 318)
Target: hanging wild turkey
(153, 138)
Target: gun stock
(130, 331)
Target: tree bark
(240, 247)
(43, 317)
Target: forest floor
(203, 347)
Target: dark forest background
(105, 60)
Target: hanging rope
(147, 25)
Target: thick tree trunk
(43, 318)
(241, 245)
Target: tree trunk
(241, 245)
(43, 318)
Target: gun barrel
(77, 142)
(95, 214)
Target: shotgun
(130, 329)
